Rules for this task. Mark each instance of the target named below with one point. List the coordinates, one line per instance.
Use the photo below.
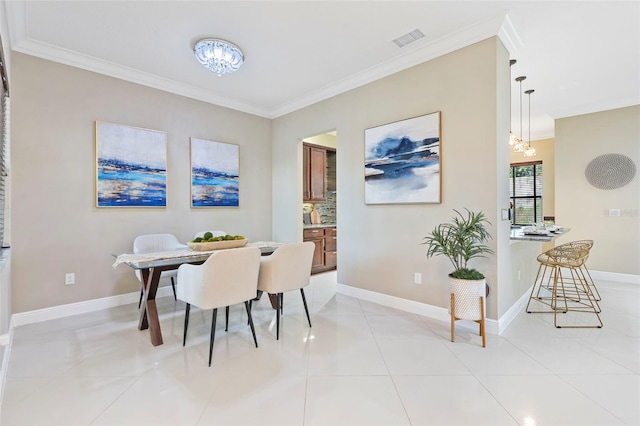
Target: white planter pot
(467, 295)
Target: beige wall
(545, 152)
(584, 208)
(57, 228)
(379, 246)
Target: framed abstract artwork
(402, 161)
(131, 166)
(214, 174)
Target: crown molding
(509, 36)
(498, 25)
(89, 63)
(466, 36)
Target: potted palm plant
(461, 240)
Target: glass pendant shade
(513, 139)
(519, 146)
(219, 56)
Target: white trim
(425, 52)
(434, 312)
(5, 360)
(615, 276)
(507, 318)
(497, 25)
(61, 311)
(509, 36)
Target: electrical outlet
(518, 274)
(417, 278)
(69, 279)
(614, 212)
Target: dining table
(152, 264)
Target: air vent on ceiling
(403, 40)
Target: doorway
(319, 199)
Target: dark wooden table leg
(273, 298)
(149, 312)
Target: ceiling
(579, 56)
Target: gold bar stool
(562, 285)
(586, 245)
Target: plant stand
(467, 303)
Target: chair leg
(304, 301)
(186, 323)
(213, 334)
(282, 303)
(173, 286)
(253, 330)
(278, 310)
(226, 319)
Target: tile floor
(360, 364)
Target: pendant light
(529, 151)
(520, 146)
(512, 136)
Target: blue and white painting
(214, 174)
(131, 166)
(402, 161)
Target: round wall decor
(610, 171)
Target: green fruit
(207, 235)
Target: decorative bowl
(217, 245)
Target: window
(525, 192)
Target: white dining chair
(153, 243)
(287, 269)
(226, 278)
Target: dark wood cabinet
(325, 255)
(330, 248)
(314, 177)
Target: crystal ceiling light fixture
(219, 56)
(520, 146)
(529, 151)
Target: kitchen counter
(320, 225)
(528, 233)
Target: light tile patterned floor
(360, 364)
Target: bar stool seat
(561, 285)
(585, 245)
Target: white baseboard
(434, 312)
(430, 311)
(507, 318)
(61, 311)
(615, 276)
(5, 359)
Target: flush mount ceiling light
(219, 56)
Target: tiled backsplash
(327, 209)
